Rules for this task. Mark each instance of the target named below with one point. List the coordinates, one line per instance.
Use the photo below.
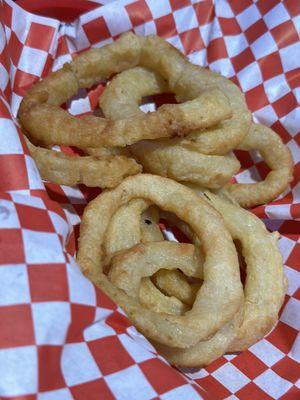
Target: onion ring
(216, 301)
(278, 158)
(43, 119)
(60, 168)
(163, 157)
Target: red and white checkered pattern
(61, 338)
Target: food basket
(60, 337)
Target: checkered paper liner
(60, 337)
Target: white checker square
(130, 383)
(293, 279)
(18, 371)
(15, 104)
(279, 211)
(20, 24)
(272, 384)
(290, 56)
(223, 67)
(98, 330)
(231, 377)
(290, 314)
(42, 247)
(60, 394)
(248, 17)
(78, 365)
(8, 215)
(263, 46)
(266, 115)
(148, 28)
(32, 60)
(285, 246)
(10, 141)
(32, 201)
(216, 31)
(136, 351)
(250, 77)
(199, 374)
(75, 196)
(206, 32)
(3, 77)
(51, 322)
(60, 225)
(296, 92)
(118, 19)
(15, 280)
(276, 88)
(34, 177)
(81, 290)
(249, 175)
(7, 33)
(186, 392)
(185, 19)
(235, 44)
(159, 8)
(80, 106)
(295, 351)
(198, 57)
(71, 215)
(291, 121)
(102, 313)
(223, 9)
(276, 16)
(266, 352)
(294, 148)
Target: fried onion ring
(163, 157)
(43, 119)
(278, 158)
(106, 171)
(221, 293)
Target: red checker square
(62, 47)
(15, 48)
(56, 193)
(285, 34)
(23, 81)
(256, 30)
(212, 385)
(118, 322)
(270, 65)
(288, 369)
(290, 229)
(262, 169)
(138, 12)
(165, 26)
(216, 50)
(283, 337)
(294, 257)
(293, 7)
(216, 364)
(249, 364)
(50, 375)
(81, 317)
(102, 300)
(282, 132)
(16, 326)
(92, 390)
(296, 295)
(293, 78)
(110, 355)
(35, 219)
(243, 59)
(295, 211)
(9, 164)
(96, 30)
(48, 66)
(204, 11)
(285, 104)
(251, 391)
(229, 26)
(48, 282)
(71, 244)
(265, 6)
(161, 376)
(178, 4)
(244, 158)
(256, 98)
(4, 111)
(89, 193)
(11, 243)
(192, 40)
(36, 31)
(7, 13)
(238, 6)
